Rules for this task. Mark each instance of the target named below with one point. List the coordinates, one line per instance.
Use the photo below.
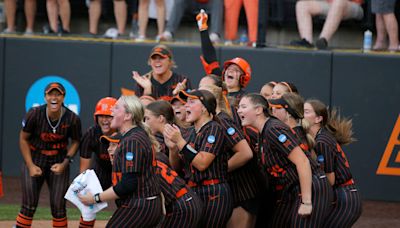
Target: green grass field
(10, 211)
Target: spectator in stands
(11, 9)
(120, 12)
(386, 24)
(135, 17)
(60, 8)
(144, 18)
(334, 10)
(232, 12)
(215, 7)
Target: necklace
(49, 122)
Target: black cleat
(322, 44)
(302, 43)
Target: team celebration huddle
(177, 155)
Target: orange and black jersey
(135, 154)
(232, 132)
(42, 137)
(334, 158)
(277, 141)
(90, 144)
(243, 181)
(236, 96)
(301, 135)
(163, 148)
(172, 186)
(164, 91)
(210, 138)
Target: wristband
(70, 160)
(307, 204)
(188, 153)
(97, 198)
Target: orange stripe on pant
(24, 221)
(86, 224)
(60, 222)
(232, 12)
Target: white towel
(85, 182)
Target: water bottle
(321, 161)
(243, 40)
(367, 41)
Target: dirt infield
(376, 214)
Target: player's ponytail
(219, 90)
(341, 128)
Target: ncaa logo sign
(35, 95)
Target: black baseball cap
(281, 103)
(161, 50)
(55, 85)
(177, 98)
(206, 98)
(114, 138)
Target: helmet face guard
(244, 66)
(104, 107)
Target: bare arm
(331, 178)
(84, 164)
(144, 82)
(34, 170)
(174, 158)
(107, 195)
(58, 168)
(243, 154)
(303, 167)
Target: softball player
(44, 140)
(266, 90)
(135, 186)
(283, 87)
(161, 82)
(236, 72)
(290, 110)
(179, 111)
(330, 133)
(90, 142)
(204, 157)
(183, 207)
(305, 198)
(90, 145)
(241, 167)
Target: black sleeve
(208, 51)
(127, 184)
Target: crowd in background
(224, 16)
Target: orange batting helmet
(244, 66)
(104, 106)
